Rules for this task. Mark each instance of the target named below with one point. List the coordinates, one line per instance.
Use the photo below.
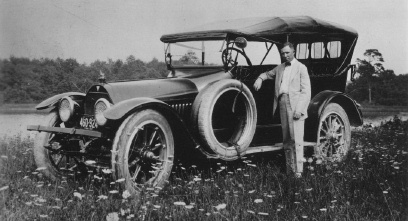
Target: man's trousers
(292, 131)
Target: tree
(189, 58)
(377, 85)
(369, 68)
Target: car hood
(161, 89)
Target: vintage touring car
(207, 103)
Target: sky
(98, 29)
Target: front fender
(319, 103)
(126, 107)
(54, 99)
(181, 131)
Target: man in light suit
(292, 93)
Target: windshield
(195, 53)
(209, 53)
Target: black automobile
(136, 128)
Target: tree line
(24, 80)
(376, 85)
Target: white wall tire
(224, 132)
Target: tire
(227, 130)
(143, 151)
(333, 135)
(51, 164)
(196, 107)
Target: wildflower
(303, 160)
(333, 201)
(250, 211)
(112, 217)
(308, 190)
(120, 180)
(385, 192)
(208, 214)
(43, 216)
(246, 175)
(180, 203)
(309, 160)
(197, 179)
(201, 210)
(76, 194)
(189, 206)
(323, 209)
(193, 166)
(113, 191)
(90, 162)
(252, 165)
(263, 214)
(125, 194)
(41, 200)
(251, 191)
(56, 207)
(318, 161)
(297, 202)
(102, 197)
(4, 188)
(106, 171)
(96, 177)
(41, 168)
(258, 200)
(221, 206)
(270, 196)
(304, 217)
(29, 203)
(239, 169)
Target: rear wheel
(144, 145)
(334, 134)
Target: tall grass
(371, 184)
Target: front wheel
(49, 151)
(143, 150)
(334, 134)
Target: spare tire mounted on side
(226, 118)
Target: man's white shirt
(284, 88)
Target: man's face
(287, 53)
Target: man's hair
(290, 45)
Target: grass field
(371, 184)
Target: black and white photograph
(203, 110)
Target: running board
(275, 147)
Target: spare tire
(226, 118)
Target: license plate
(88, 122)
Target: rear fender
(319, 103)
(52, 101)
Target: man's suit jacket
(299, 86)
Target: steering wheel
(228, 60)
